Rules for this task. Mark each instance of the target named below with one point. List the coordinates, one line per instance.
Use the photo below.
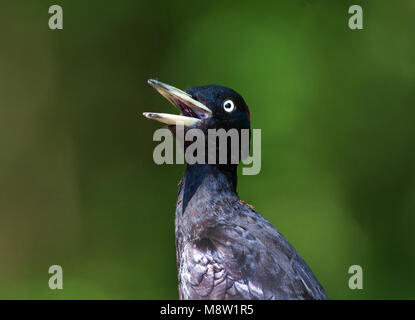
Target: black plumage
(224, 248)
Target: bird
(225, 250)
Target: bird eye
(228, 106)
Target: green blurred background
(78, 185)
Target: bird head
(204, 107)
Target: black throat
(217, 177)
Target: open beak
(192, 111)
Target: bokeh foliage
(79, 188)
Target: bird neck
(210, 178)
(225, 175)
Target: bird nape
(225, 249)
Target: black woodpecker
(224, 248)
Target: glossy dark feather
(226, 250)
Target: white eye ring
(228, 105)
